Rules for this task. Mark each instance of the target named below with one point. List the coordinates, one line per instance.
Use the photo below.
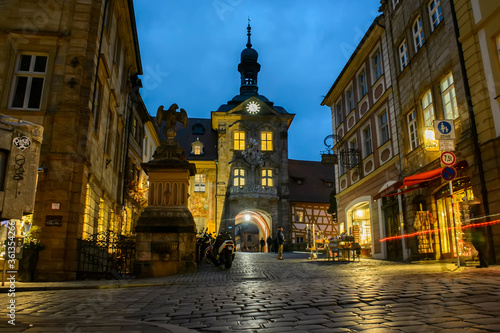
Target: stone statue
(171, 117)
(170, 148)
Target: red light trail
(425, 232)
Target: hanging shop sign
(449, 173)
(448, 158)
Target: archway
(252, 219)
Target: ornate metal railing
(105, 255)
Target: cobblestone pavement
(261, 294)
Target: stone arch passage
(259, 218)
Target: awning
(416, 181)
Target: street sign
(449, 173)
(444, 129)
(446, 145)
(448, 158)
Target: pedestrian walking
(262, 244)
(269, 243)
(281, 240)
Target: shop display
(426, 224)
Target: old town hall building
(245, 181)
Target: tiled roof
(309, 181)
(186, 136)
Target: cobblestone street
(262, 294)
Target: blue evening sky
(191, 49)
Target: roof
(309, 181)
(207, 136)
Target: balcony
(253, 191)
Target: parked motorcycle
(221, 251)
(204, 240)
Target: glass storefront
(361, 227)
(450, 234)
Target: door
(392, 228)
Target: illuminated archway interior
(258, 218)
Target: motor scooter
(221, 251)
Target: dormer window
(197, 148)
(198, 129)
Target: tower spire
(249, 33)
(249, 67)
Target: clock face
(253, 107)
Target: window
(239, 177)
(362, 84)
(267, 177)
(197, 148)
(428, 109)
(299, 239)
(449, 98)
(367, 140)
(418, 34)
(353, 156)
(339, 114)
(394, 4)
(199, 182)
(118, 50)
(435, 14)
(349, 96)
(383, 128)
(266, 141)
(299, 216)
(29, 79)
(403, 55)
(239, 140)
(377, 65)
(97, 106)
(107, 140)
(342, 162)
(412, 130)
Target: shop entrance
(450, 220)
(359, 226)
(250, 227)
(392, 227)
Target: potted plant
(31, 248)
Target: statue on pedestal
(170, 148)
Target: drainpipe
(475, 140)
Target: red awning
(421, 177)
(414, 182)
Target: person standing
(269, 243)
(281, 240)
(262, 244)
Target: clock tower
(252, 187)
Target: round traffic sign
(448, 158)
(444, 127)
(449, 173)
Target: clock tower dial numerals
(253, 107)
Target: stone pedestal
(166, 231)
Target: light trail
(425, 232)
